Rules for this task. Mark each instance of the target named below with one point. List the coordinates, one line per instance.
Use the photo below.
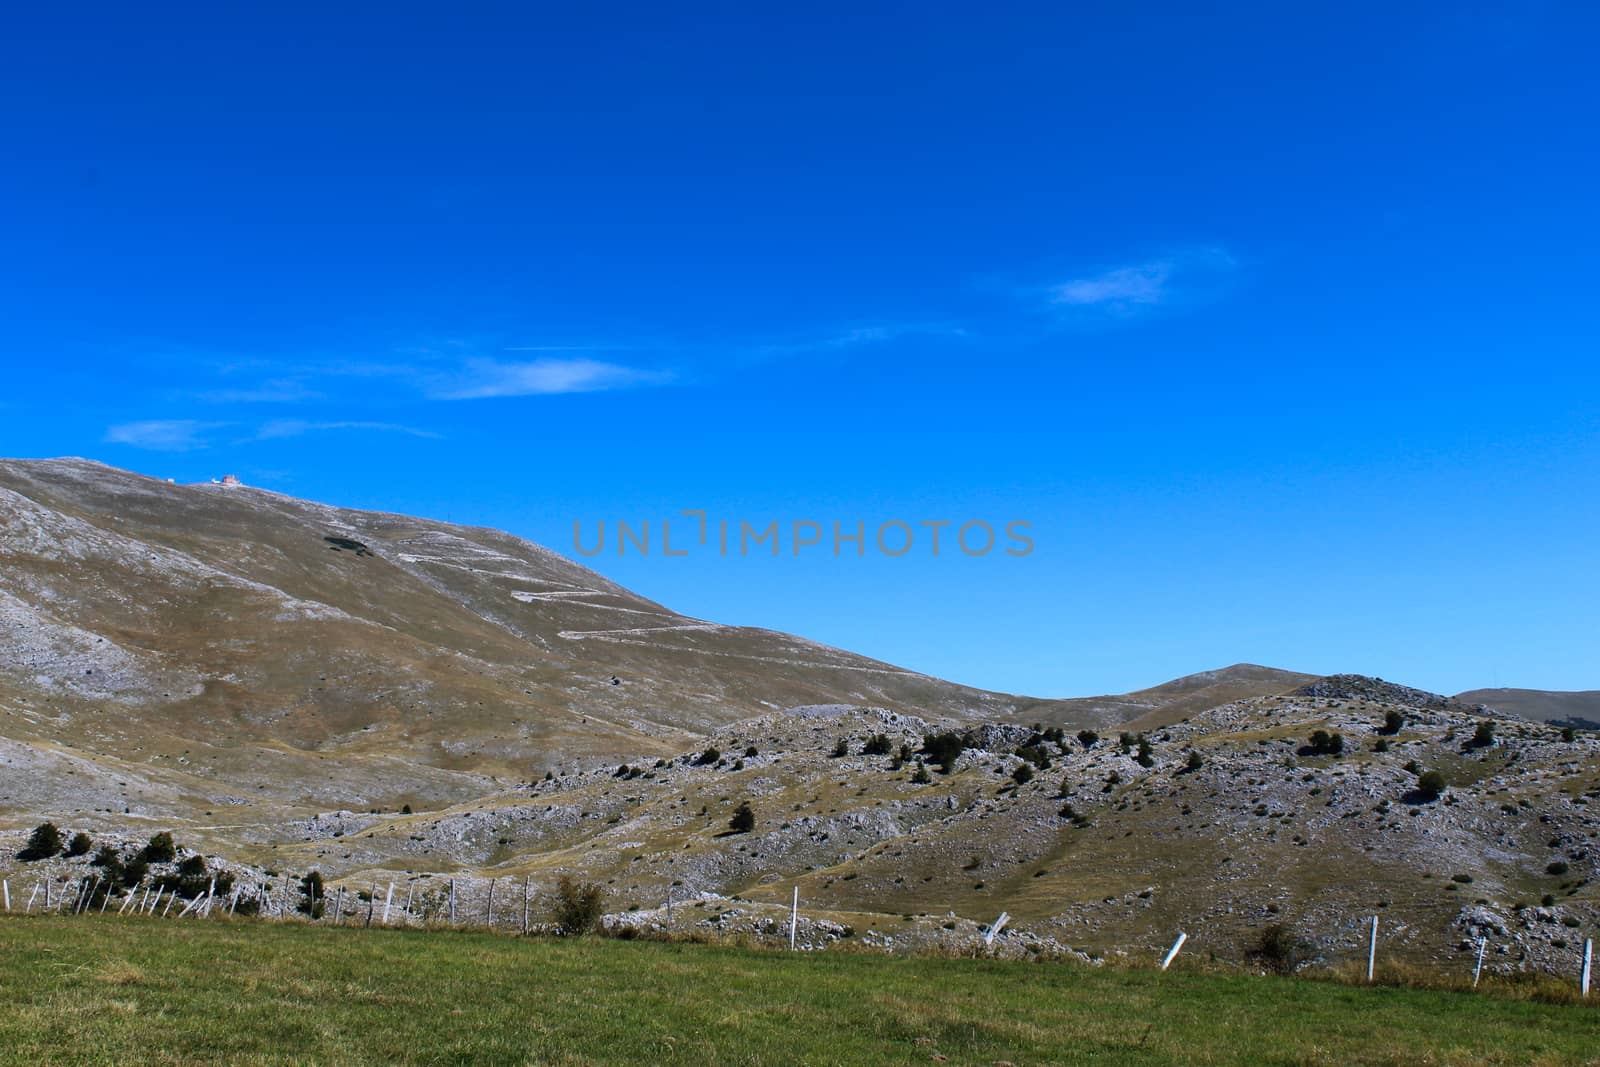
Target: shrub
(1483, 736)
(751, 752)
(1558, 868)
(160, 849)
(579, 905)
(842, 749)
(1146, 756)
(1195, 761)
(744, 819)
(708, 757)
(313, 895)
(944, 749)
(1088, 738)
(922, 777)
(1023, 774)
(1324, 743)
(44, 842)
(1431, 785)
(405, 809)
(1280, 949)
(1393, 723)
(1568, 734)
(80, 844)
(1036, 755)
(131, 870)
(877, 745)
(1381, 745)
(107, 856)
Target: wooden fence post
(525, 881)
(488, 911)
(1173, 951)
(452, 902)
(794, 917)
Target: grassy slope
(103, 991)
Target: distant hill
(1169, 702)
(1580, 708)
(185, 642)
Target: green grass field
(93, 990)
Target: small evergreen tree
(1483, 736)
(80, 844)
(1146, 756)
(922, 777)
(44, 842)
(579, 905)
(1431, 785)
(1088, 738)
(944, 749)
(744, 819)
(1195, 760)
(842, 749)
(160, 849)
(1023, 774)
(1568, 734)
(877, 745)
(1393, 722)
(313, 895)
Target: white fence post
(1173, 951)
(488, 911)
(1372, 948)
(998, 925)
(794, 917)
(388, 900)
(1588, 958)
(6, 886)
(1477, 972)
(31, 897)
(452, 902)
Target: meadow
(109, 991)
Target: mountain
(1173, 701)
(287, 686)
(195, 640)
(1580, 708)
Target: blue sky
(1277, 325)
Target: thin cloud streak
(488, 378)
(279, 429)
(1186, 277)
(163, 435)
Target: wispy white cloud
(277, 391)
(281, 428)
(163, 435)
(1183, 276)
(1125, 287)
(484, 378)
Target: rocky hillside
(1309, 811)
(1580, 709)
(287, 686)
(170, 642)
